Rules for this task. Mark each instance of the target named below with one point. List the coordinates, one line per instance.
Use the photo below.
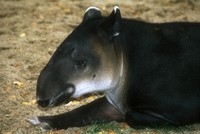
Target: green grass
(105, 128)
(102, 128)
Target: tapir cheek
(89, 86)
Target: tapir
(149, 73)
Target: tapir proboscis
(149, 72)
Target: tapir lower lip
(60, 98)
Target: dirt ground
(30, 31)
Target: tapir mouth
(60, 97)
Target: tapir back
(164, 74)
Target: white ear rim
(92, 7)
(116, 8)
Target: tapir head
(85, 62)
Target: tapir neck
(116, 95)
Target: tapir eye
(81, 64)
(79, 60)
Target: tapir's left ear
(91, 13)
(112, 23)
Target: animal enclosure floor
(30, 31)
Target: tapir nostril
(43, 103)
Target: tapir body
(150, 73)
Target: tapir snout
(61, 93)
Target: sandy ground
(30, 31)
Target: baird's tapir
(149, 72)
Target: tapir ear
(91, 13)
(112, 23)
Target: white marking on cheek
(86, 86)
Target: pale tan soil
(30, 31)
